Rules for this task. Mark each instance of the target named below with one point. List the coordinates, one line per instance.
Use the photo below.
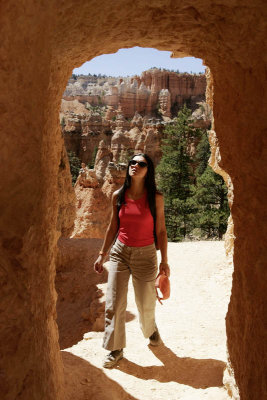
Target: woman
(137, 219)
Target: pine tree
(92, 163)
(75, 165)
(195, 196)
(175, 173)
(202, 153)
(210, 198)
(209, 195)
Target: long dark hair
(150, 186)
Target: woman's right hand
(98, 265)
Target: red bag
(163, 284)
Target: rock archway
(41, 43)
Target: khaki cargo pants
(141, 262)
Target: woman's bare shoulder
(159, 198)
(115, 194)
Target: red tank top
(136, 222)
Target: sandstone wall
(80, 304)
(41, 44)
(67, 210)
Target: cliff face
(155, 91)
(79, 305)
(67, 209)
(84, 129)
(95, 108)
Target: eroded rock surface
(154, 91)
(79, 305)
(93, 108)
(67, 205)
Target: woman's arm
(109, 236)
(161, 233)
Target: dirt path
(189, 366)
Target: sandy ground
(190, 363)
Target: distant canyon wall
(84, 129)
(155, 91)
(95, 108)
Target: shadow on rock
(79, 299)
(80, 305)
(198, 373)
(84, 381)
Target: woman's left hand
(164, 268)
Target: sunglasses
(141, 164)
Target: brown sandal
(112, 358)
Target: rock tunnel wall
(41, 43)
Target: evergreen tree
(63, 122)
(209, 195)
(92, 164)
(75, 165)
(202, 153)
(195, 196)
(209, 199)
(175, 173)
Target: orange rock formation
(155, 90)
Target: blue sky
(136, 60)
